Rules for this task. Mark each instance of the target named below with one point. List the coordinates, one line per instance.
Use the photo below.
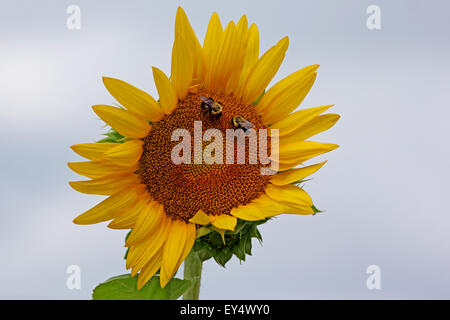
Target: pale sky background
(385, 191)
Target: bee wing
(207, 100)
(247, 125)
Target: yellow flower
(165, 203)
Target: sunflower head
(215, 89)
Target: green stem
(192, 270)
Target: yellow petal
(264, 207)
(284, 105)
(141, 253)
(99, 168)
(293, 154)
(311, 128)
(178, 245)
(150, 269)
(125, 154)
(301, 148)
(289, 194)
(264, 70)
(297, 119)
(239, 53)
(242, 28)
(190, 239)
(150, 218)
(182, 66)
(167, 95)
(127, 218)
(302, 210)
(200, 218)
(258, 209)
(92, 151)
(108, 208)
(286, 92)
(268, 206)
(211, 47)
(250, 59)
(107, 185)
(184, 28)
(294, 175)
(123, 121)
(249, 212)
(136, 101)
(223, 64)
(225, 222)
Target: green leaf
(124, 287)
(248, 246)
(239, 250)
(113, 136)
(300, 181)
(128, 248)
(106, 140)
(202, 231)
(316, 210)
(238, 242)
(254, 232)
(223, 255)
(241, 225)
(203, 250)
(209, 243)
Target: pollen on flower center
(184, 189)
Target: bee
(209, 105)
(239, 122)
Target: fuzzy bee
(209, 105)
(239, 122)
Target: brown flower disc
(184, 189)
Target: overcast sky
(385, 190)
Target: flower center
(186, 188)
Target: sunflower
(165, 204)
